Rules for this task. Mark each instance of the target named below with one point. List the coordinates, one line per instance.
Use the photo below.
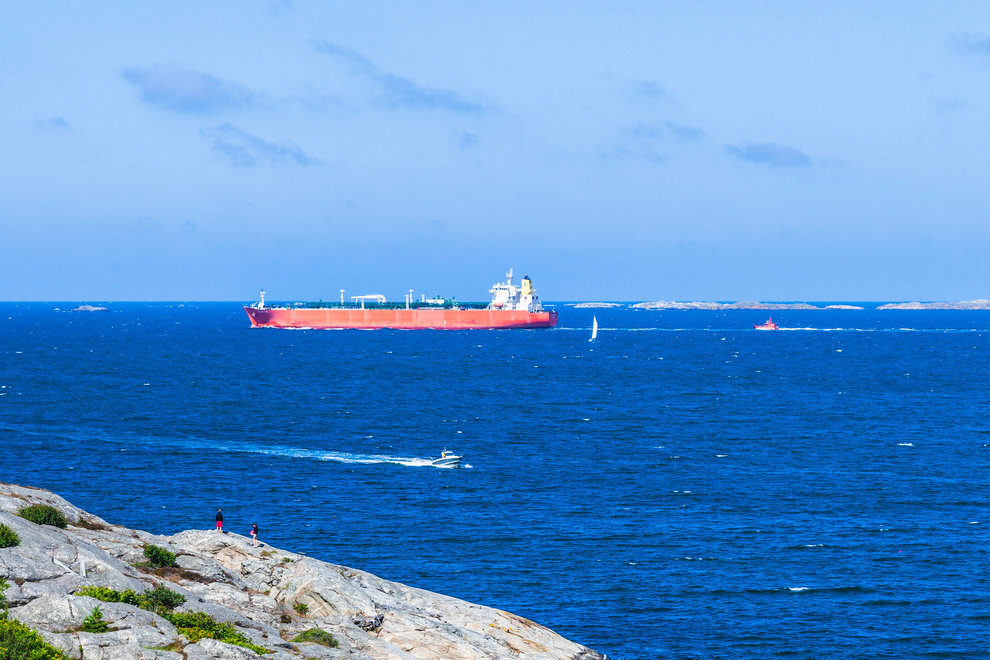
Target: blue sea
(684, 487)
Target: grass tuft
(94, 623)
(162, 601)
(159, 556)
(8, 537)
(317, 636)
(43, 514)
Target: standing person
(254, 534)
(219, 520)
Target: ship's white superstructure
(508, 296)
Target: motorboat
(447, 459)
(769, 325)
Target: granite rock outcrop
(268, 594)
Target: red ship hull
(399, 319)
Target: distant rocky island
(962, 304)
(715, 306)
(596, 305)
(771, 306)
(75, 586)
(89, 308)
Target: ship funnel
(527, 286)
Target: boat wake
(273, 450)
(337, 456)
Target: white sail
(594, 328)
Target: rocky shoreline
(271, 598)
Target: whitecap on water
(797, 588)
(905, 444)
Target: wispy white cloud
(770, 154)
(667, 129)
(649, 141)
(279, 7)
(400, 92)
(244, 149)
(52, 124)
(641, 152)
(468, 140)
(184, 90)
(974, 43)
(652, 89)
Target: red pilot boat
(511, 307)
(769, 325)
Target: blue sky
(625, 151)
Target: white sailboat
(594, 328)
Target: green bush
(155, 600)
(197, 625)
(110, 595)
(158, 556)
(162, 597)
(317, 636)
(18, 642)
(8, 537)
(42, 514)
(193, 625)
(302, 608)
(200, 625)
(3, 598)
(94, 623)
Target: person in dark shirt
(254, 534)
(219, 520)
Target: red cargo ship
(510, 307)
